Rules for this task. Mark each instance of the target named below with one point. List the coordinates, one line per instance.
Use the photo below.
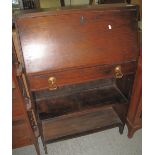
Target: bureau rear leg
(45, 148)
(44, 144)
(121, 128)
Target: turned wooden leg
(42, 138)
(44, 145)
(37, 147)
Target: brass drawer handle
(118, 72)
(52, 83)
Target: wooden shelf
(83, 122)
(69, 100)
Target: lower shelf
(76, 123)
(79, 109)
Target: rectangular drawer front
(73, 76)
(66, 39)
(79, 122)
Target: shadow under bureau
(79, 65)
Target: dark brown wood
(18, 114)
(20, 120)
(125, 85)
(78, 99)
(76, 31)
(72, 76)
(134, 118)
(89, 56)
(79, 122)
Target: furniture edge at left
(24, 127)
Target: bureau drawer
(79, 75)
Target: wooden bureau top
(70, 38)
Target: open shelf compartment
(69, 100)
(80, 108)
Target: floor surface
(108, 142)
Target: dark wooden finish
(86, 30)
(19, 122)
(20, 138)
(134, 118)
(22, 133)
(72, 76)
(80, 122)
(17, 110)
(18, 113)
(77, 98)
(89, 56)
(74, 99)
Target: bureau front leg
(42, 138)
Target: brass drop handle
(118, 72)
(52, 83)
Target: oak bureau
(79, 66)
